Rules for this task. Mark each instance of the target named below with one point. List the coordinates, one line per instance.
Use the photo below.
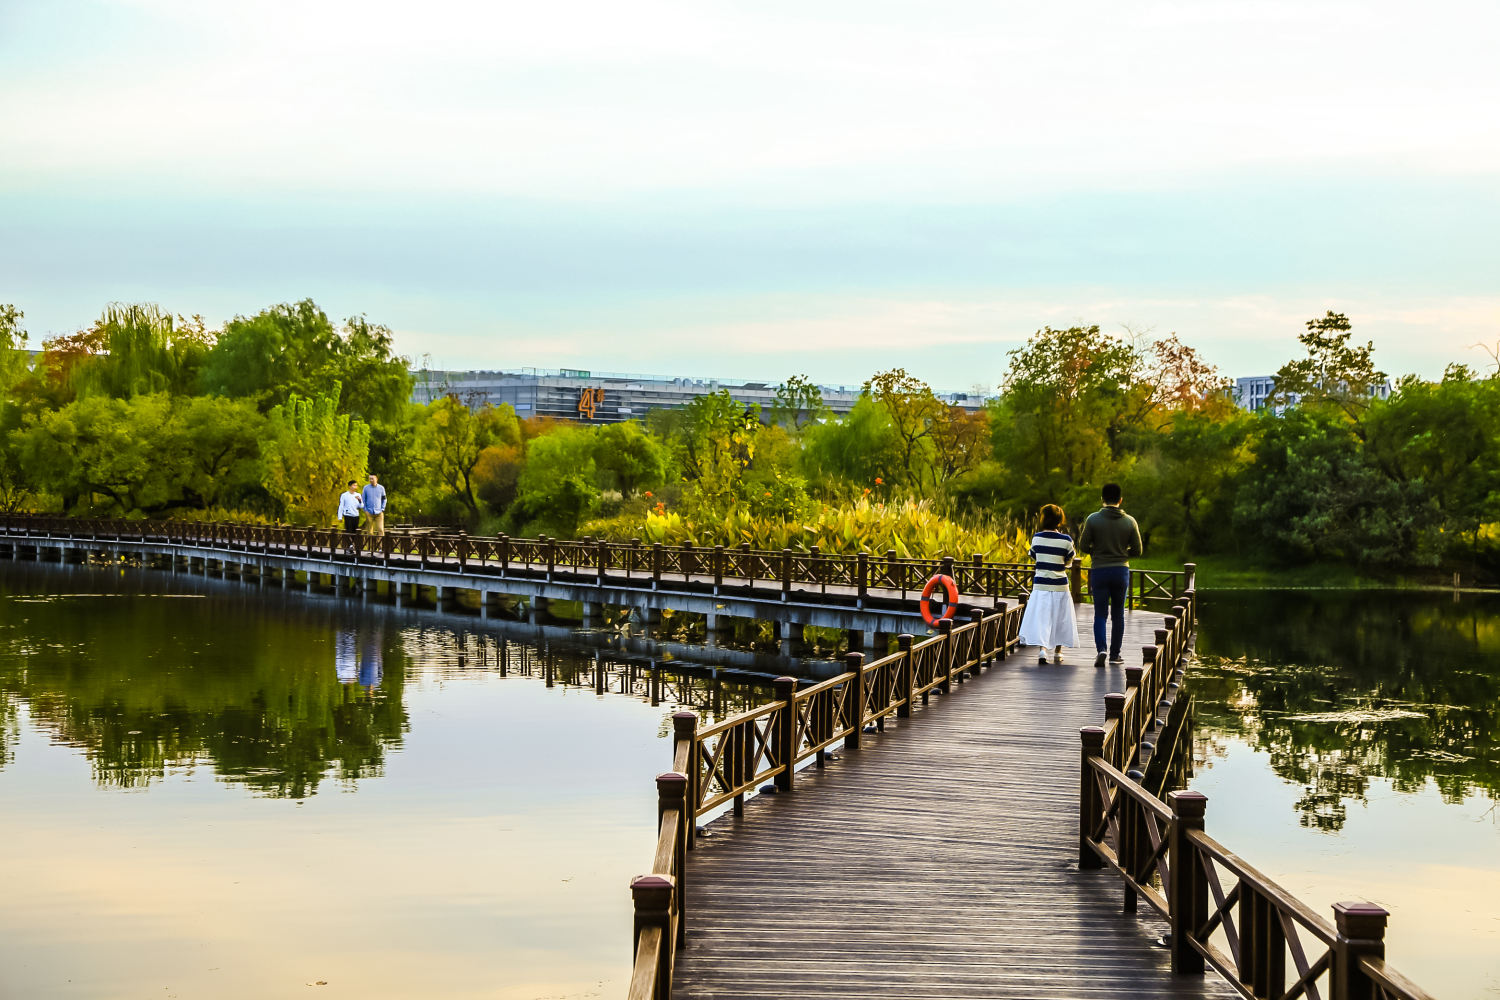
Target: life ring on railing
(952, 604)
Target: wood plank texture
(938, 861)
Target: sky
(760, 189)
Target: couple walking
(370, 501)
(1110, 537)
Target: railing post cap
(1133, 676)
(905, 639)
(652, 892)
(671, 781)
(1360, 920)
(1091, 736)
(1114, 705)
(1148, 654)
(783, 682)
(1187, 803)
(684, 721)
(945, 625)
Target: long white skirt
(1049, 620)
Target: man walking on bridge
(1110, 537)
(373, 499)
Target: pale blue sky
(755, 190)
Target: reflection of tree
(143, 688)
(1341, 687)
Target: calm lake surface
(1349, 745)
(212, 791)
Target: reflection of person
(1048, 621)
(1110, 537)
(373, 497)
(345, 665)
(349, 508)
(371, 667)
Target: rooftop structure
(1254, 393)
(611, 397)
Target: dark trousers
(1110, 585)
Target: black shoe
(1099, 661)
(1116, 659)
(1042, 659)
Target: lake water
(1349, 745)
(210, 791)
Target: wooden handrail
(858, 573)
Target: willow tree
(310, 452)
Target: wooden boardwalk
(939, 860)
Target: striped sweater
(1052, 550)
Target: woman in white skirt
(1048, 621)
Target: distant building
(1254, 393)
(611, 397)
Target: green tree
(914, 410)
(558, 486)
(629, 459)
(799, 402)
(451, 438)
(310, 451)
(100, 447)
(15, 368)
(860, 448)
(292, 349)
(145, 350)
(1334, 372)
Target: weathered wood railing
(1250, 930)
(722, 763)
(845, 576)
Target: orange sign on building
(589, 401)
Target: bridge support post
(786, 732)
(1090, 809)
(1361, 932)
(1187, 896)
(854, 663)
(791, 635)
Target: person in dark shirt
(1110, 537)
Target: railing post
(1361, 933)
(652, 895)
(1189, 578)
(1075, 581)
(1135, 725)
(1155, 685)
(945, 629)
(601, 558)
(685, 730)
(1114, 711)
(718, 558)
(976, 645)
(906, 678)
(786, 732)
(656, 557)
(862, 580)
(786, 574)
(504, 554)
(1090, 809)
(671, 793)
(1187, 893)
(551, 556)
(855, 664)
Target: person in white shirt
(349, 507)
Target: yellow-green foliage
(910, 527)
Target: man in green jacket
(1110, 537)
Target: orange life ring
(952, 605)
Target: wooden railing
(834, 577)
(1223, 912)
(722, 763)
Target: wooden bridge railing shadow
(723, 762)
(1163, 856)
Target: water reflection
(275, 691)
(1339, 688)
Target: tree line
(147, 413)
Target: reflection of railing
(1250, 932)
(723, 762)
(831, 575)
